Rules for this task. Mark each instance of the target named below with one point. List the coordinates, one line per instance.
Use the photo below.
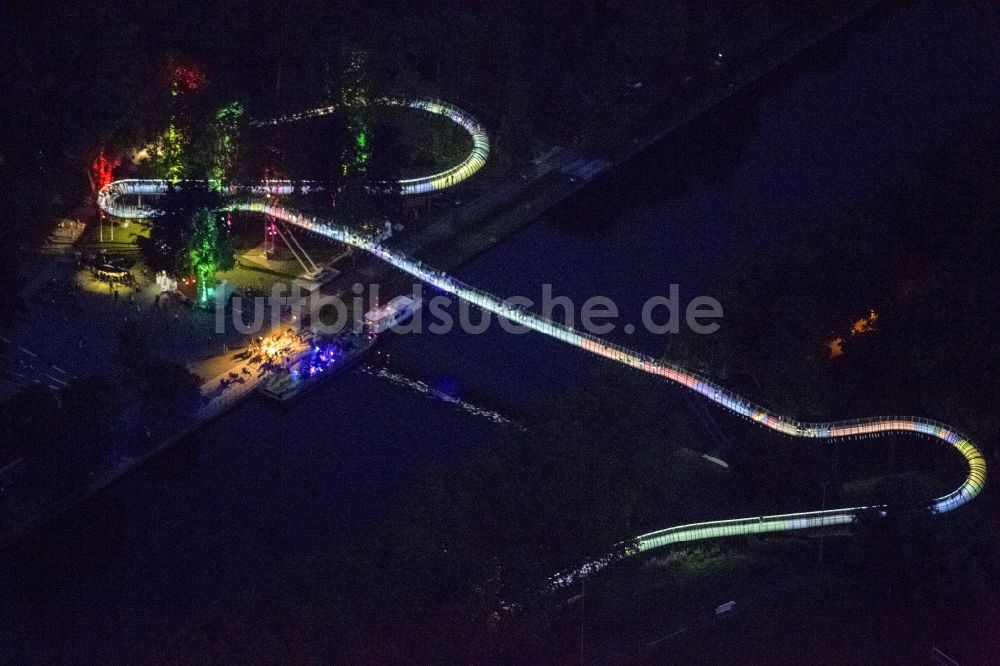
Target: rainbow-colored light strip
(107, 197)
(876, 426)
(472, 163)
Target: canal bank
(463, 235)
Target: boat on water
(324, 358)
(396, 311)
(329, 356)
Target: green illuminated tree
(368, 197)
(372, 156)
(208, 250)
(167, 154)
(166, 249)
(355, 96)
(226, 130)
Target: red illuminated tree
(185, 76)
(102, 170)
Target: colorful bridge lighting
(472, 163)
(109, 195)
(973, 484)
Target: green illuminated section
(226, 129)
(361, 145)
(172, 154)
(355, 96)
(357, 159)
(203, 253)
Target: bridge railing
(694, 381)
(728, 399)
(740, 526)
(472, 162)
(827, 430)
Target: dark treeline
(919, 251)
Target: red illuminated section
(102, 169)
(185, 76)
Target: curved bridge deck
(875, 426)
(472, 163)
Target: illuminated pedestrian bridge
(122, 198)
(819, 432)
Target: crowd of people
(270, 352)
(276, 348)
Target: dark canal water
(264, 488)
